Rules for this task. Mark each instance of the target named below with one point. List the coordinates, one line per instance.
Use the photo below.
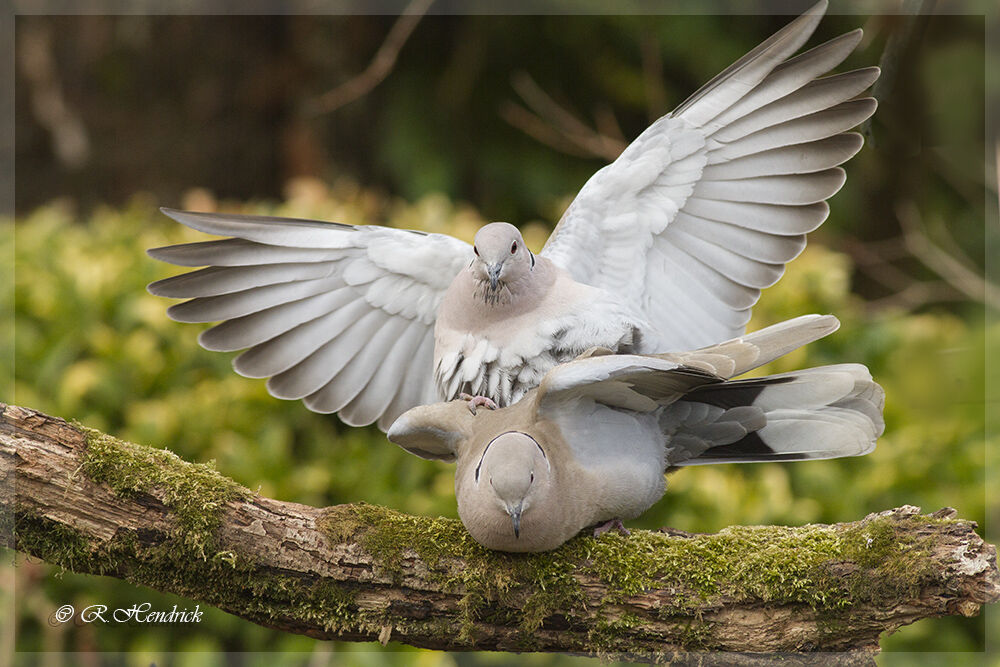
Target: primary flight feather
(666, 248)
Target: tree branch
(94, 504)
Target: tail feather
(819, 413)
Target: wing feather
(706, 206)
(813, 127)
(315, 370)
(732, 265)
(709, 285)
(338, 315)
(373, 402)
(750, 243)
(238, 252)
(790, 190)
(791, 75)
(814, 97)
(414, 389)
(630, 382)
(282, 336)
(360, 369)
(796, 159)
(245, 302)
(776, 219)
(216, 280)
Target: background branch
(94, 504)
(380, 65)
(958, 277)
(555, 126)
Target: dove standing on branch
(666, 248)
(591, 443)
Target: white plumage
(666, 248)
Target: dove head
(502, 261)
(504, 507)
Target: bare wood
(94, 504)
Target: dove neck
(466, 309)
(522, 292)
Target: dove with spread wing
(666, 248)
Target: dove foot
(614, 524)
(477, 401)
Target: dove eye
(513, 247)
(475, 250)
(532, 478)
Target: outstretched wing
(337, 315)
(704, 209)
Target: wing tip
(820, 7)
(176, 313)
(832, 321)
(208, 340)
(177, 214)
(160, 288)
(162, 254)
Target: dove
(666, 248)
(591, 443)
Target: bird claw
(613, 524)
(477, 401)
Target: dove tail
(819, 413)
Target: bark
(93, 504)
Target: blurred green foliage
(91, 344)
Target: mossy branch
(91, 503)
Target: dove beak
(515, 517)
(493, 271)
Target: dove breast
(619, 456)
(502, 350)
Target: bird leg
(613, 524)
(477, 401)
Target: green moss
(52, 542)
(695, 634)
(195, 492)
(533, 586)
(769, 564)
(611, 633)
(829, 570)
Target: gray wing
(817, 413)
(624, 381)
(339, 316)
(706, 206)
(645, 382)
(437, 431)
